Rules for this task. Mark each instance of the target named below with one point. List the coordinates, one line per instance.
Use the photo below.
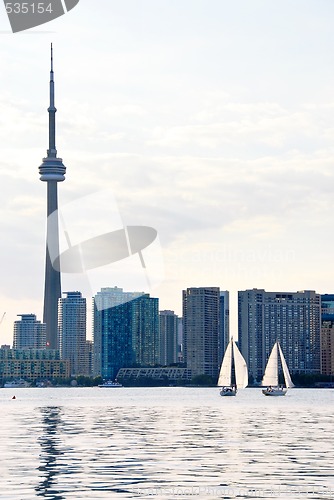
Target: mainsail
(226, 367)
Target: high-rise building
(145, 330)
(201, 330)
(224, 322)
(29, 333)
(327, 334)
(90, 357)
(327, 307)
(180, 357)
(113, 342)
(327, 348)
(72, 332)
(112, 346)
(168, 338)
(52, 171)
(292, 318)
(126, 331)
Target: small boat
(233, 372)
(16, 384)
(270, 378)
(110, 383)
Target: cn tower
(52, 171)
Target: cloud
(240, 125)
(211, 125)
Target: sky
(209, 120)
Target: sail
(240, 367)
(271, 371)
(287, 378)
(226, 367)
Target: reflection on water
(166, 444)
(49, 442)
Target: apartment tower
(201, 330)
(292, 318)
(29, 333)
(72, 332)
(126, 331)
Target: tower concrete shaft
(52, 171)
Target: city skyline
(126, 332)
(216, 129)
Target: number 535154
(28, 7)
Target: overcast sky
(210, 120)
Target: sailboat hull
(274, 391)
(228, 391)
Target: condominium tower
(224, 336)
(293, 318)
(327, 334)
(126, 331)
(29, 333)
(72, 332)
(169, 323)
(201, 330)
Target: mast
(233, 367)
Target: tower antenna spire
(51, 58)
(52, 151)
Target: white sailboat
(270, 378)
(233, 372)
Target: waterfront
(165, 443)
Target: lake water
(165, 443)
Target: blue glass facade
(126, 331)
(327, 307)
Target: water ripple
(165, 444)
